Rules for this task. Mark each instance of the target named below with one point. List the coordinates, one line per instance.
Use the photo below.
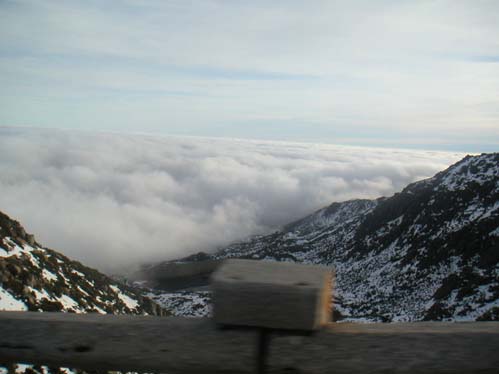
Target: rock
(30, 239)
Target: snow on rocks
(127, 300)
(184, 304)
(9, 302)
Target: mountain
(35, 278)
(430, 252)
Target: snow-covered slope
(184, 304)
(39, 279)
(430, 252)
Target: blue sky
(421, 74)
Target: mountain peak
(470, 170)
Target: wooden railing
(183, 345)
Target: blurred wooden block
(275, 295)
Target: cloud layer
(114, 200)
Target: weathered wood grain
(182, 345)
(418, 347)
(128, 343)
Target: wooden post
(272, 295)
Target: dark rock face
(430, 252)
(39, 279)
(194, 272)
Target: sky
(388, 73)
(115, 201)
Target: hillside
(430, 252)
(35, 278)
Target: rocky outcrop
(39, 279)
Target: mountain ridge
(429, 252)
(35, 278)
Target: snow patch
(127, 300)
(69, 303)
(79, 273)
(49, 276)
(9, 302)
(494, 232)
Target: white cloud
(115, 200)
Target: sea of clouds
(113, 201)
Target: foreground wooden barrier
(126, 343)
(277, 318)
(429, 347)
(182, 345)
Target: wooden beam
(429, 347)
(182, 345)
(272, 295)
(127, 343)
